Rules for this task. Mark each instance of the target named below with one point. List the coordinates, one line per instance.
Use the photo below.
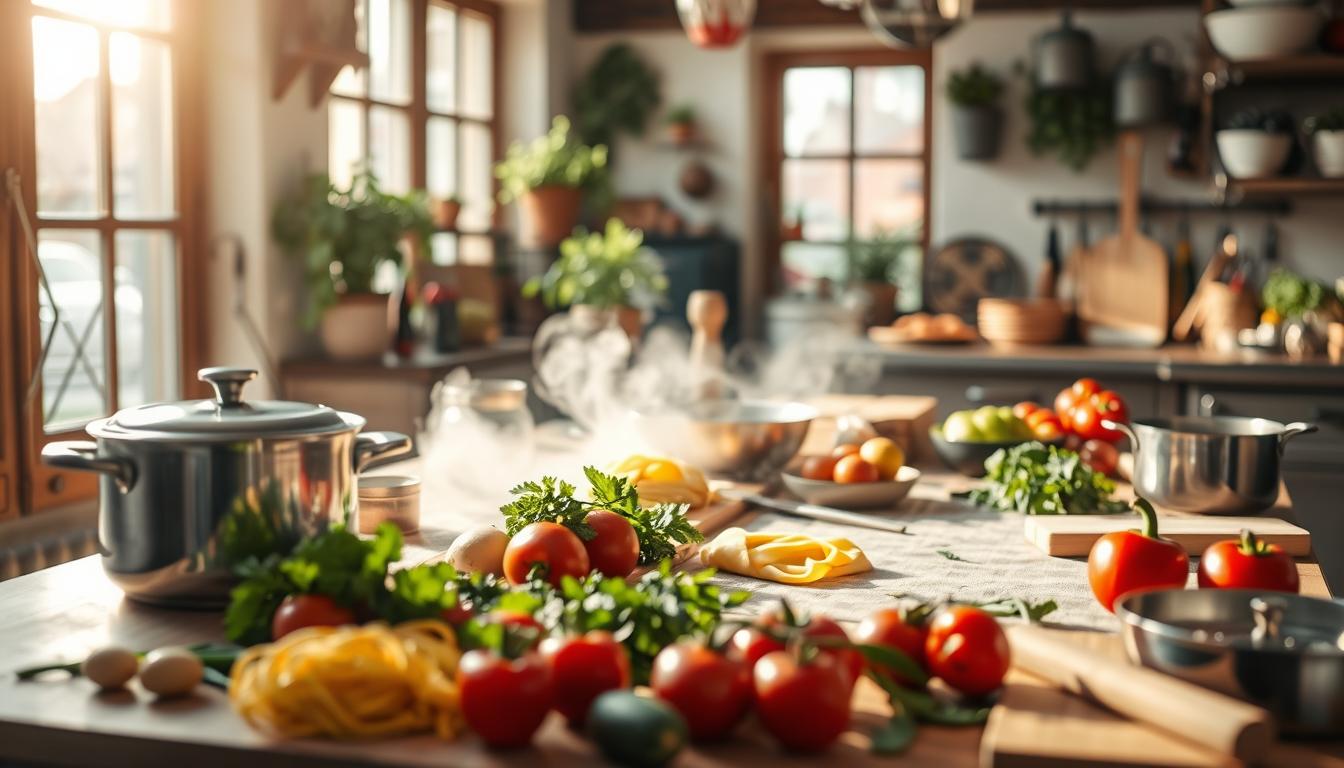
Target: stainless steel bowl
(1279, 651)
(748, 440)
(1218, 465)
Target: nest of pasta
(661, 480)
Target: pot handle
(82, 455)
(1293, 430)
(375, 445)
(1129, 433)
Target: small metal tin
(389, 498)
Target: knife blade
(814, 511)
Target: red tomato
(1048, 430)
(852, 469)
(889, 628)
(844, 449)
(749, 644)
(516, 620)
(1100, 456)
(299, 611)
(804, 706)
(582, 668)
(819, 626)
(503, 700)
(459, 613)
(1248, 563)
(615, 549)
(1024, 409)
(967, 649)
(1071, 396)
(819, 467)
(710, 690)
(1088, 416)
(550, 544)
(1134, 561)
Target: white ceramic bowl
(883, 493)
(1263, 31)
(1252, 154)
(1267, 3)
(1329, 151)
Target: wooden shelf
(1286, 186)
(1310, 68)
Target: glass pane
(477, 66)
(816, 194)
(804, 263)
(443, 248)
(390, 148)
(888, 197)
(477, 250)
(349, 82)
(147, 318)
(390, 50)
(441, 157)
(477, 184)
(151, 14)
(65, 75)
(74, 373)
(345, 140)
(816, 110)
(889, 109)
(441, 58)
(142, 126)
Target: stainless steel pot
(1280, 651)
(191, 488)
(1218, 465)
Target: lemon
(885, 454)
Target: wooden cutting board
(1074, 535)
(1122, 295)
(903, 418)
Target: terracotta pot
(549, 215)
(356, 327)
(680, 133)
(593, 318)
(445, 213)
(881, 304)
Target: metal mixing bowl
(747, 440)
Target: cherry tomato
(852, 469)
(516, 620)
(891, 628)
(615, 549)
(1132, 561)
(819, 467)
(1048, 430)
(299, 611)
(844, 449)
(459, 613)
(1070, 396)
(709, 689)
(1247, 563)
(1088, 416)
(504, 700)
(804, 706)
(582, 668)
(749, 644)
(1100, 456)
(967, 649)
(1024, 409)
(820, 626)
(550, 544)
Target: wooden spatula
(1123, 298)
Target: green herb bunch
(1037, 479)
(1071, 125)
(1291, 295)
(974, 86)
(604, 269)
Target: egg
(479, 550)
(110, 668)
(171, 672)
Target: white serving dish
(883, 493)
(1263, 31)
(1251, 154)
(1328, 146)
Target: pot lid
(1262, 621)
(226, 416)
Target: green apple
(986, 419)
(960, 428)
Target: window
(102, 184)
(847, 156)
(423, 114)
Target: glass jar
(482, 440)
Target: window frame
(772, 143)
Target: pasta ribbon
(664, 481)
(789, 558)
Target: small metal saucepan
(191, 488)
(1218, 465)
(1279, 651)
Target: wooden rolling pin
(1183, 709)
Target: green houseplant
(605, 276)
(977, 121)
(616, 95)
(872, 265)
(548, 177)
(681, 124)
(1070, 124)
(343, 236)
(1327, 140)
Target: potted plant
(1255, 144)
(445, 211)
(1327, 139)
(871, 266)
(977, 121)
(343, 237)
(603, 277)
(681, 124)
(548, 177)
(791, 229)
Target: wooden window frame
(36, 486)
(772, 144)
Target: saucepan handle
(1293, 430)
(83, 455)
(370, 446)
(1129, 433)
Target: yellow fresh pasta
(789, 558)
(664, 481)
(352, 682)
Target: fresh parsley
(1037, 479)
(950, 555)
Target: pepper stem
(1149, 516)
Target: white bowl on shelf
(1267, 3)
(1248, 153)
(1328, 146)
(1263, 31)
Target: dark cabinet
(699, 263)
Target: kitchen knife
(813, 511)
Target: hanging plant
(1072, 125)
(616, 96)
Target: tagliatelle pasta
(352, 682)
(789, 558)
(664, 481)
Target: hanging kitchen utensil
(1182, 265)
(1067, 286)
(1144, 85)
(963, 271)
(716, 23)
(1063, 57)
(1047, 282)
(1123, 298)
(913, 23)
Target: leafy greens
(1037, 479)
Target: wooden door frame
(772, 142)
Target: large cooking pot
(191, 488)
(1218, 465)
